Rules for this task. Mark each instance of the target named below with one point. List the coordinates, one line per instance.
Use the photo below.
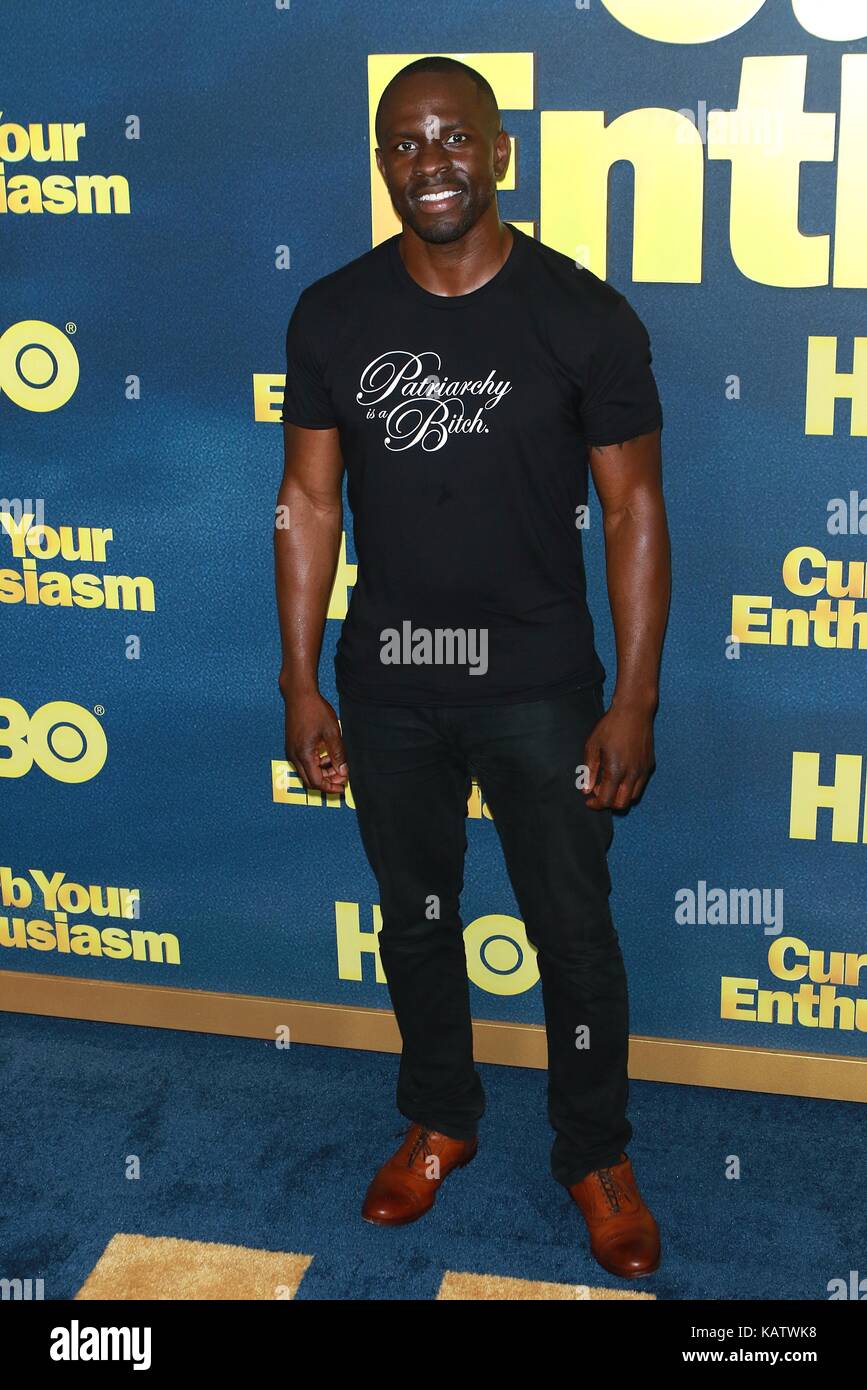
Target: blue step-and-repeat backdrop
(171, 177)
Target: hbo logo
(65, 740)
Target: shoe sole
(416, 1216)
(629, 1274)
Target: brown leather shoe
(624, 1236)
(407, 1184)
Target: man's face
(439, 138)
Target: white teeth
(438, 197)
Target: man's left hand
(619, 755)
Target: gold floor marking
(495, 1286)
(167, 1268)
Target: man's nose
(432, 158)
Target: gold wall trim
(375, 1030)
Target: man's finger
(624, 794)
(337, 756)
(311, 774)
(640, 784)
(604, 794)
(592, 761)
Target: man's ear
(504, 155)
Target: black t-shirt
(464, 422)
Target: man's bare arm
(628, 479)
(307, 531)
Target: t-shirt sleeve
(306, 400)
(620, 399)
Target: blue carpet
(242, 1143)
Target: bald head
(447, 67)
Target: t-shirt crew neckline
(457, 301)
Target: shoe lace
(610, 1188)
(421, 1142)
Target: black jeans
(410, 774)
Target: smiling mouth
(436, 199)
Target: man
(464, 373)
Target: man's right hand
(312, 729)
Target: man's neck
(458, 267)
